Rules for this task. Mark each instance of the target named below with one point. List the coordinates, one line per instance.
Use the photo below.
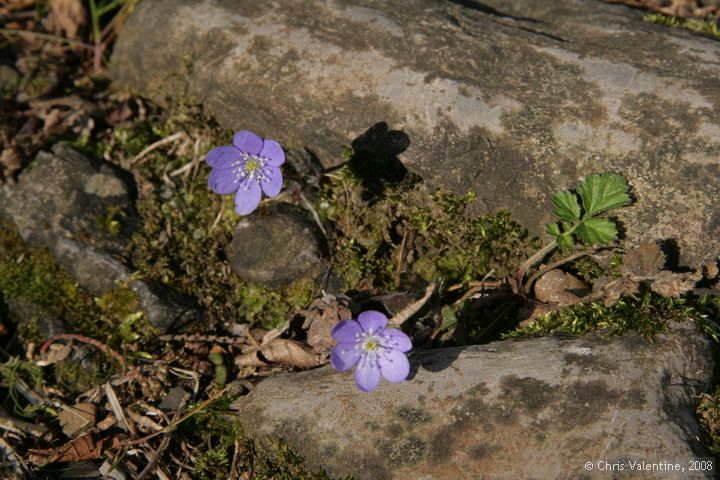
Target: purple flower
(375, 350)
(246, 168)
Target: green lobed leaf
(565, 242)
(566, 206)
(553, 229)
(597, 230)
(603, 192)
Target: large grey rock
(60, 203)
(532, 408)
(276, 246)
(510, 99)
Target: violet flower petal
(346, 331)
(394, 366)
(344, 356)
(367, 376)
(248, 142)
(246, 201)
(372, 320)
(396, 340)
(224, 157)
(273, 152)
(273, 184)
(223, 182)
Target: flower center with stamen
(371, 345)
(253, 170)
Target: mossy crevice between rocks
(387, 221)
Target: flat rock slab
(513, 100)
(60, 203)
(529, 408)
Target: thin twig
(91, 341)
(413, 308)
(164, 444)
(189, 165)
(153, 146)
(234, 463)
(22, 428)
(308, 206)
(45, 36)
(401, 254)
(174, 424)
(217, 221)
(477, 289)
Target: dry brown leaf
(77, 418)
(290, 352)
(559, 288)
(674, 285)
(78, 450)
(320, 320)
(249, 359)
(644, 261)
(67, 16)
(56, 353)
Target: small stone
(524, 408)
(173, 399)
(277, 246)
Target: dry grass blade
(117, 409)
(137, 159)
(413, 308)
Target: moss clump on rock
(31, 276)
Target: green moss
(73, 379)
(647, 314)
(708, 25)
(31, 275)
(435, 233)
(220, 433)
(708, 412)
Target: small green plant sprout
(599, 194)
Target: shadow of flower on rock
(375, 159)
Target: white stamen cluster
(374, 348)
(253, 169)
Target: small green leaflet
(596, 230)
(566, 206)
(565, 242)
(603, 192)
(553, 229)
